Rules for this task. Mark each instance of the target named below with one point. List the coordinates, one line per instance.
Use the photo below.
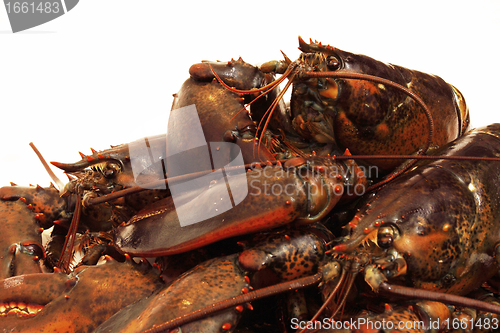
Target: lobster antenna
(270, 111)
(161, 183)
(67, 252)
(406, 292)
(352, 275)
(352, 272)
(416, 157)
(136, 189)
(267, 89)
(312, 280)
(52, 175)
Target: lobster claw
(184, 295)
(79, 302)
(273, 196)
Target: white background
(105, 72)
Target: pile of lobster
(363, 205)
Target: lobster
(432, 243)
(391, 240)
(328, 180)
(444, 244)
(463, 125)
(336, 105)
(130, 237)
(266, 258)
(130, 191)
(418, 317)
(113, 172)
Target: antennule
(52, 175)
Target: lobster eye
(332, 63)
(385, 236)
(33, 249)
(111, 169)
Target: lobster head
(124, 165)
(368, 117)
(138, 163)
(435, 221)
(399, 233)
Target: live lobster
(393, 239)
(326, 117)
